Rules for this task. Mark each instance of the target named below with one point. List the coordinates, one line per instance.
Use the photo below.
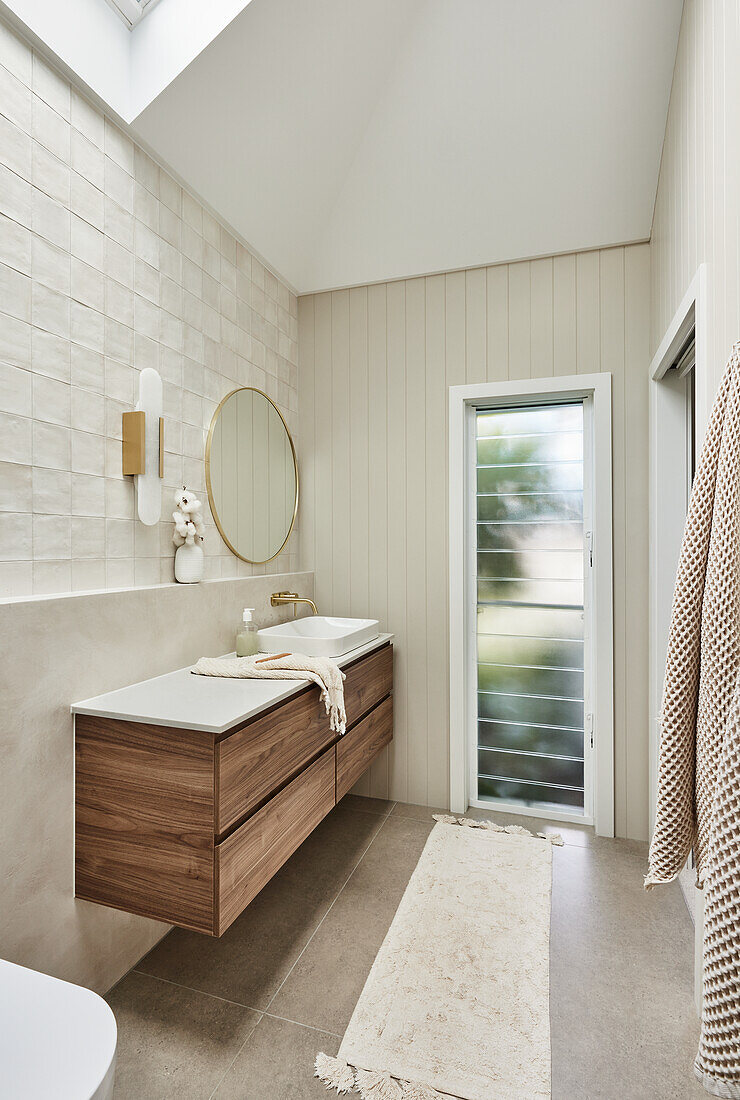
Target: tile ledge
(39, 596)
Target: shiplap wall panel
(377, 354)
(541, 316)
(437, 708)
(564, 324)
(636, 449)
(396, 564)
(697, 208)
(416, 571)
(578, 313)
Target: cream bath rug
(457, 1001)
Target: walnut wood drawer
(262, 756)
(256, 760)
(248, 859)
(359, 747)
(367, 682)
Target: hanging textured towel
(324, 672)
(698, 802)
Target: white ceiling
(350, 142)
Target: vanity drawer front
(248, 859)
(358, 748)
(368, 681)
(258, 759)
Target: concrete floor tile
(173, 1042)
(248, 963)
(277, 1063)
(367, 805)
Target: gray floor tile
(421, 813)
(623, 1022)
(621, 1009)
(340, 954)
(248, 963)
(173, 1042)
(367, 805)
(277, 1063)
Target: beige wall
(375, 364)
(55, 651)
(698, 202)
(106, 266)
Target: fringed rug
(457, 1001)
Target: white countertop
(210, 703)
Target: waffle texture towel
(324, 672)
(698, 803)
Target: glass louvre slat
(507, 649)
(508, 764)
(528, 506)
(511, 590)
(530, 604)
(551, 740)
(528, 477)
(530, 794)
(564, 683)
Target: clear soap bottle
(247, 642)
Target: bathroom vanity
(191, 792)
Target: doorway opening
(531, 641)
(531, 535)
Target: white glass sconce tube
(143, 447)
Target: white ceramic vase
(189, 564)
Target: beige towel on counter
(699, 769)
(324, 672)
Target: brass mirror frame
(211, 500)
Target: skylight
(132, 11)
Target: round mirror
(251, 475)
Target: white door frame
(669, 455)
(462, 399)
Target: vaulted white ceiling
(353, 142)
(350, 141)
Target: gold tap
(279, 598)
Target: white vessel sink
(318, 636)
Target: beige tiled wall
(107, 266)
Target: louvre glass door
(530, 594)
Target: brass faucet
(278, 598)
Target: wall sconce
(143, 447)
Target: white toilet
(56, 1039)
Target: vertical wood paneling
(397, 494)
(306, 435)
(455, 357)
(611, 358)
(564, 315)
(340, 447)
(541, 317)
(436, 544)
(636, 406)
(359, 453)
(416, 586)
(520, 327)
(585, 312)
(475, 325)
(497, 321)
(378, 486)
(358, 559)
(697, 209)
(324, 498)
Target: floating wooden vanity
(187, 825)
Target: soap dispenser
(247, 642)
